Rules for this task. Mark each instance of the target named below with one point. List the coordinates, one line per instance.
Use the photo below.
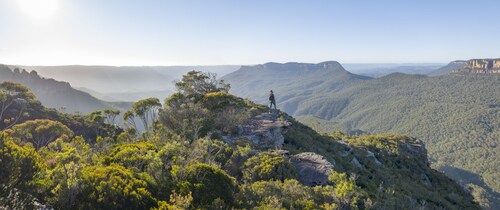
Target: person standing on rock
(272, 100)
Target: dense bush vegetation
(180, 162)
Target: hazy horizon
(251, 64)
(186, 33)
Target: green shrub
(115, 187)
(207, 184)
(268, 166)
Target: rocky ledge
(264, 131)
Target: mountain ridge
(450, 67)
(141, 81)
(56, 94)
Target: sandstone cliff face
(481, 66)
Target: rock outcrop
(263, 130)
(371, 154)
(266, 132)
(313, 169)
(481, 66)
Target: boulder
(313, 169)
(356, 162)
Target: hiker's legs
(273, 103)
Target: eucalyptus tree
(147, 111)
(39, 132)
(128, 119)
(111, 115)
(14, 98)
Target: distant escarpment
(57, 94)
(451, 67)
(481, 66)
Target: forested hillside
(56, 94)
(452, 66)
(294, 82)
(379, 70)
(456, 115)
(206, 149)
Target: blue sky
(210, 32)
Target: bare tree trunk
(17, 118)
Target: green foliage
(128, 119)
(62, 176)
(39, 132)
(228, 111)
(111, 115)
(268, 166)
(184, 117)
(240, 154)
(207, 184)
(115, 187)
(301, 138)
(388, 143)
(13, 100)
(129, 135)
(146, 110)
(345, 189)
(210, 151)
(220, 100)
(286, 194)
(170, 156)
(196, 83)
(290, 194)
(12, 90)
(137, 155)
(177, 202)
(19, 166)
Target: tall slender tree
(147, 111)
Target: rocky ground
(266, 131)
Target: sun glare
(38, 8)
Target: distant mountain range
(376, 70)
(132, 83)
(124, 83)
(458, 116)
(55, 94)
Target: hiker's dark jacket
(271, 97)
